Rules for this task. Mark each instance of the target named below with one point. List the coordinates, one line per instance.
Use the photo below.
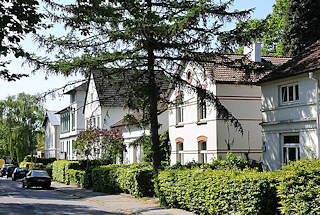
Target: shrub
(135, 179)
(44, 161)
(76, 177)
(299, 187)
(60, 169)
(231, 162)
(206, 191)
(31, 165)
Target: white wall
(132, 133)
(190, 129)
(244, 102)
(298, 117)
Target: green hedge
(134, 179)
(31, 165)
(76, 177)
(206, 191)
(60, 169)
(299, 187)
(44, 161)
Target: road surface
(15, 200)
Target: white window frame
(296, 98)
(179, 110)
(202, 108)
(297, 146)
(203, 153)
(180, 154)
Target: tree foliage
(269, 31)
(302, 27)
(145, 143)
(18, 18)
(139, 40)
(100, 143)
(21, 121)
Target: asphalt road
(15, 200)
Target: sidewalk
(123, 203)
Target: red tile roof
(232, 73)
(307, 61)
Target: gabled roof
(306, 61)
(112, 88)
(52, 117)
(225, 74)
(81, 87)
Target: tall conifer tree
(140, 41)
(303, 25)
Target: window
(73, 97)
(180, 153)
(289, 93)
(65, 122)
(91, 97)
(290, 148)
(73, 120)
(202, 107)
(179, 109)
(202, 152)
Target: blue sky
(38, 83)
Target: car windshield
(39, 174)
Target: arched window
(202, 149)
(179, 149)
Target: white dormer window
(289, 93)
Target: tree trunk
(153, 100)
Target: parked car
(3, 170)
(37, 178)
(10, 170)
(19, 173)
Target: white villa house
(197, 133)
(51, 126)
(72, 121)
(290, 110)
(104, 108)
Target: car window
(39, 174)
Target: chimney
(253, 52)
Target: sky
(39, 82)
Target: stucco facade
(290, 118)
(201, 139)
(52, 134)
(72, 122)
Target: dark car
(3, 170)
(19, 173)
(10, 170)
(37, 178)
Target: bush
(231, 162)
(76, 177)
(44, 161)
(60, 169)
(31, 165)
(135, 179)
(299, 187)
(206, 191)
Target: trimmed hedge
(299, 187)
(228, 191)
(31, 165)
(44, 161)
(134, 179)
(60, 169)
(76, 177)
